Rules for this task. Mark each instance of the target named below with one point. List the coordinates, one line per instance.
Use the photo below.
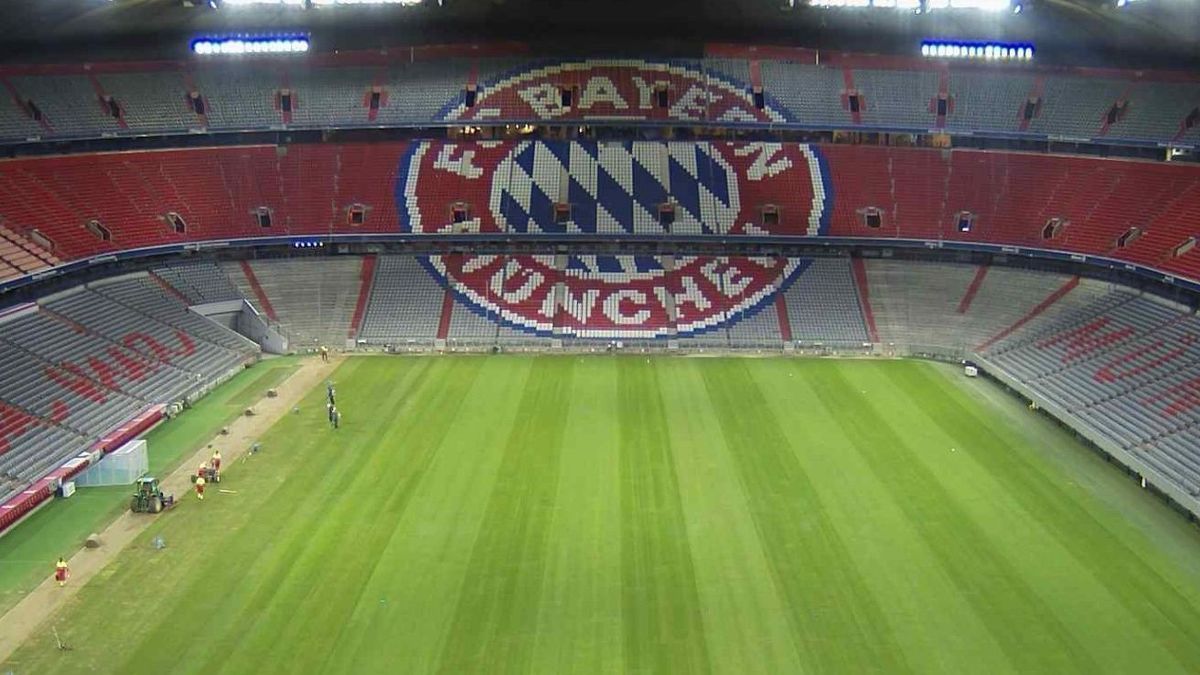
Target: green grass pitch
(560, 514)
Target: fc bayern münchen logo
(625, 188)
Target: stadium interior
(188, 189)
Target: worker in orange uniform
(216, 461)
(61, 571)
(200, 487)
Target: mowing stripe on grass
(235, 617)
(332, 471)
(367, 525)
(579, 625)
(746, 625)
(1108, 492)
(664, 629)
(494, 626)
(920, 603)
(1078, 599)
(1139, 587)
(182, 581)
(824, 589)
(408, 603)
(1024, 627)
(573, 515)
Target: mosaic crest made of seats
(620, 189)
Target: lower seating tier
(80, 364)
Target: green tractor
(148, 498)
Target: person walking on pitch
(61, 571)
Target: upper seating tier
(348, 92)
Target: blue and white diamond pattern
(615, 188)
(614, 268)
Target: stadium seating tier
(271, 94)
(81, 363)
(59, 209)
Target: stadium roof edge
(372, 57)
(414, 53)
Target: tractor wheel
(133, 504)
(156, 505)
